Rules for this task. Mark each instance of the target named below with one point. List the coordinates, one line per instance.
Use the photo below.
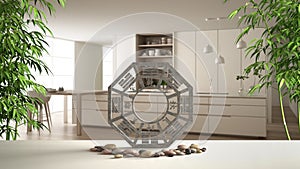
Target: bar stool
(40, 105)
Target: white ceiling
(100, 21)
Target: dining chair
(44, 103)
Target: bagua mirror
(150, 104)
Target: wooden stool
(40, 105)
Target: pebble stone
(178, 152)
(199, 151)
(110, 146)
(118, 155)
(155, 155)
(117, 151)
(129, 155)
(195, 146)
(93, 149)
(188, 151)
(106, 152)
(111, 149)
(182, 147)
(146, 154)
(170, 153)
(141, 151)
(193, 150)
(131, 152)
(161, 153)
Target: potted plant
(279, 42)
(20, 53)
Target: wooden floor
(61, 131)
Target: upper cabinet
(155, 48)
(185, 51)
(123, 53)
(185, 56)
(200, 69)
(206, 74)
(246, 61)
(232, 66)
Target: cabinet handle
(228, 105)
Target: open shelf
(155, 48)
(154, 57)
(155, 45)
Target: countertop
(199, 94)
(219, 155)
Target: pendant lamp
(219, 59)
(207, 49)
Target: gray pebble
(106, 152)
(110, 146)
(141, 151)
(129, 155)
(131, 152)
(146, 154)
(117, 151)
(182, 147)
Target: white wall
(88, 66)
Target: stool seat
(44, 103)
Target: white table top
(219, 154)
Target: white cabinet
(185, 56)
(124, 53)
(243, 116)
(206, 69)
(246, 61)
(94, 110)
(232, 57)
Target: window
(107, 67)
(60, 59)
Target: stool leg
(29, 126)
(49, 113)
(40, 116)
(47, 116)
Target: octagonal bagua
(150, 104)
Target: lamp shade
(207, 49)
(219, 60)
(241, 44)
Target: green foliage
(20, 51)
(280, 42)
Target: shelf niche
(155, 48)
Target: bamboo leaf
(233, 14)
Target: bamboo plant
(20, 52)
(279, 42)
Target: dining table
(76, 104)
(64, 93)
